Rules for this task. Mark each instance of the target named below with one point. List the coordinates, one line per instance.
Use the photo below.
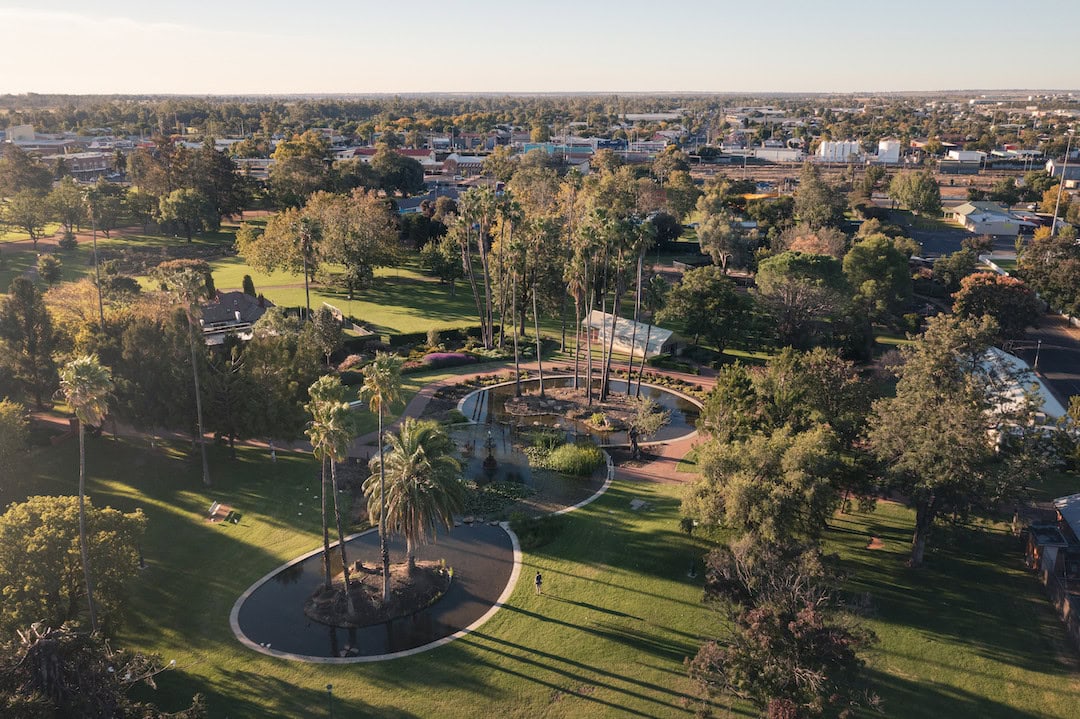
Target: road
(1059, 355)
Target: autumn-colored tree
(1012, 304)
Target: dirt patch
(875, 543)
(409, 593)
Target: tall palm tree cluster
(414, 488)
(546, 241)
(415, 483)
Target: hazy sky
(342, 46)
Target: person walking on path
(539, 582)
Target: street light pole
(1038, 346)
(1061, 185)
(330, 699)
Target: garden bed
(409, 593)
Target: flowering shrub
(435, 360)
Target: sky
(359, 46)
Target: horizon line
(555, 93)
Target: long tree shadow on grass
(533, 660)
(971, 591)
(243, 694)
(905, 699)
(671, 650)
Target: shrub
(545, 439)
(911, 323)
(533, 532)
(350, 362)
(434, 360)
(579, 460)
(68, 241)
(455, 416)
(433, 339)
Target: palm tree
(653, 297)
(424, 488)
(382, 388)
(86, 384)
(188, 281)
(308, 234)
(330, 431)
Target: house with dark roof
(231, 313)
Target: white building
(778, 154)
(966, 155)
(1013, 382)
(888, 152)
(988, 218)
(21, 133)
(839, 151)
(629, 335)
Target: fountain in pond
(490, 464)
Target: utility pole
(1061, 185)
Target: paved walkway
(660, 467)
(663, 457)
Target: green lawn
(908, 218)
(1009, 265)
(79, 262)
(607, 639)
(969, 635)
(402, 300)
(10, 234)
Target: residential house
(231, 313)
(1058, 168)
(989, 218)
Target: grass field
(607, 639)
(1007, 264)
(402, 299)
(970, 634)
(79, 262)
(10, 234)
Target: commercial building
(839, 151)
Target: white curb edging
(682, 395)
(508, 590)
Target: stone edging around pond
(692, 400)
(234, 615)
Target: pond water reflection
(481, 556)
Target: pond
(272, 615)
(487, 405)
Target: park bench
(221, 513)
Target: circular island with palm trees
(417, 480)
(346, 601)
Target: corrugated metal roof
(625, 332)
(1069, 509)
